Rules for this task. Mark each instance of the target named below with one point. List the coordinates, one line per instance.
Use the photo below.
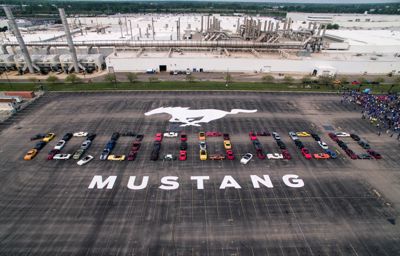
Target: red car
(286, 154)
(252, 136)
(158, 137)
(213, 134)
(182, 155)
(260, 154)
(52, 153)
(375, 154)
(351, 154)
(230, 155)
(226, 136)
(135, 146)
(306, 153)
(333, 136)
(183, 137)
(355, 82)
(132, 155)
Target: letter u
(131, 183)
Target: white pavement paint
(193, 117)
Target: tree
(267, 79)
(132, 77)
(344, 80)
(153, 79)
(52, 79)
(111, 78)
(396, 82)
(33, 80)
(306, 79)
(379, 80)
(73, 79)
(362, 80)
(190, 78)
(326, 80)
(288, 79)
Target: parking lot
(346, 207)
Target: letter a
(229, 182)
(131, 183)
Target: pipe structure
(21, 43)
(201, 29)
(71, 46)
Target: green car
(78, 154)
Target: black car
(315, 136)
(157, 145)
(115, 136)
(226, 136)
(364, 156)
(364, 144)
(154, 155)
(281, 144)
(91, 136)
(183, 145)
(257, 145)
(342, 144)
(129, 134)
(355, 137)
(38, 136)
(67, 136)
(139, 137)
(40, 145)
(299, 144)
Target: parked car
(213, 134)
(86, 144)
(260, 154)
(203, 154)
(322, 144)
(60, 144)
(169, 157)
(49, 137)
(274, 156)
(116, 157)
(110, 145)
(227, 144)
(364, 144)
(351, 154)
(39, 145)
(293, 136)
(80, 134)
(355, 137)
(62, 156)
(139, 137)
(331, 153)
(276, 136)
(183, 145)
(306, 153)
(154, 155)
(299, 144)
(217, 157)
(342, 134)
(263, 133)
(252, 136)
(364, 156)
(78, 153)
(203, 145)
(85, 160)
(303, 134)
(246, 158)
(333, 136)
(321, 156)
(182, 155)
(375, 154)
(128, 134)
(52, 153)
(286, 154)
(281, 144)
(91, 136)
(226, 136)
(170, 134)
(230, 155)
(105, 154)
(183, 137)
(315, 136)
(115, 136)
(67, 136)
(257, 144)
(132, 156)
(202, 136)
(135, 146)
(38, 136)
(30, 154)
(157, 145)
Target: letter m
(97, 182)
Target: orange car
(202, 136)
(321, 156)
(31, 154)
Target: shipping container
(23, 94)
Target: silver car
(86, 144)
(203, 145)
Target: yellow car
(202, 136)
(203, 154)
(227, 144)
(49, 137)
(303, 134)
(116, 157)
(31, 154)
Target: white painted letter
(131, 183)
(200, 180)
(295, 183)
(98, 182)
(257, 180)
(169, 180)
(229, 182)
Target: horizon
(257, 1)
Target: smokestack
(69, 40)
(277, 26)
(289, 23)
(178, 29)
(15, 30)
(208, 23)
(238, 26)
(152, 27)
(201, 30)
(265, 26)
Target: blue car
(110, 145)
(331, 153)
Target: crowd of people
(383, 111)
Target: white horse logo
(193, 117)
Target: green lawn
(178, 85)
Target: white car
(293, 135)
(171, 134)
(60, 144)
(85, 160)
(80, 134)
(275, 156)
(203, 145)
(322, 144)
(86, 144)
(342, 134)
(246, 158)
(276, 136)
(62, 156)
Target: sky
(274, 1)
